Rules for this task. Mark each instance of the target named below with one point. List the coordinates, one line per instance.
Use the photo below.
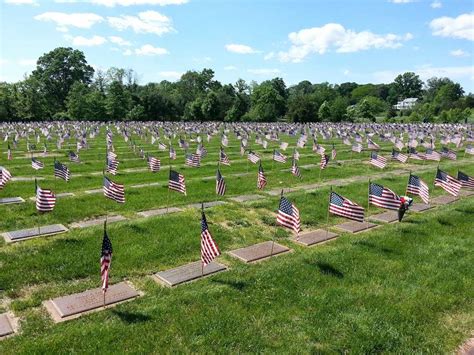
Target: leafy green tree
(365, 110)
(118, 101)
(324, 112)
(267, 103)
(447, 95)
(30, 103)
(7, 102)
(408, 85)
(339, 109)
(301, 108)
(76, 101)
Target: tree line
(65, 87)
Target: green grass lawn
(399, 288)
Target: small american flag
(176, 182)
(344, 207)
(448, 183)
(61, 171)
(399, 156)
(283, 145)
(261, 179)
(288, 215)
(209, 249)
(432, 155)
(105, 259)
(193, 160)
(383, 197)
(74, 157)
(357, 147)
(399, 144)
(333, 152)
(220, 184)
(9, 153)
(5, 176)
(413, 154)
(372, 145)
(417, 187)
(223, 159)
(324, 161)
(113, 190)
(36, 164)
(253, 157)
(295, 170)
(112, 165)
(172, 153)
(45, 199)
(161, 146)
(296, 155)
(278, 157)
(154, 164)
(377, 160)
(448, 153)
(466, 180)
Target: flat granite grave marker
(246, 198)
(72, 306)
(444, 200)
(258, 251)
(315, 237)
(159, 212)
(355, 227)
(145, 185)
(186, 273)
(207, 204)
(6, 327)
(466, 193)
(420, 207)
(24, 234)
(25, 178)
(96, 191)
(11, 200)
(61, 195)
(97, 221)
(387, 217)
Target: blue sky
(320, 40)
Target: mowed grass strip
(402, 288)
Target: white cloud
(146, 22)
(172, 75)
(27, 62)
(436, 4)
(64, 21)
(86, 42)
(230, 67)
(148, 49)
(426, 72)
(269, 56)
(240, 48)
(112, 3)
(264, 71)
(22, 2)
(346, 72)
(401, 1)
(459, 53)
(333, 35)
(119, 41)
(458, 27)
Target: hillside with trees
(65, 87)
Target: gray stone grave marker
(207, 204)
(258, 251)
(6, 327)
(159, 212)
(11, 200)
(355, 227)
(186, 273)
(420, 207)
(386, 217)
(61, 195)
(96, 191)
(246, 198)
(466, 193)
(72, 306)
(97, 221)
(315, 237)
(444, 200)
(24, 234)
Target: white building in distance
(406, 104)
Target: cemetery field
(401, 287)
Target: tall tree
(408, 85)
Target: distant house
(406, 104)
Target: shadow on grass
(375, 247)
(129, 317)
(327, 269)
(237, 285)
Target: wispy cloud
(150, 50)
(426, 72)
(81, 41)
(230, 67)
(119, 41)
(240, 48)
(459, 53)
(146, 22)
(436, 4)
(22, 2)
(455, 27)
(264, 71)
(113, 3)
(63, 21)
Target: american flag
(176, 182)
(112, 165)
(341, 206)
(319, 149)
(36, 164)
(431, 154)
(288, 215)
(220, 184)
(383, 197)
(261, 179)
(447, 182)
(224, 140)
(295, 170)
(377, 160)
(253, 157)
(417, 187)
(201, 151)
(161, 146)
(469, 149)
(413, 154)
(5, 176)
(172, 153)
(154, 164)
(209, 249)
(193, 160)
(113, 190)
(242, 149)
(399, 145)
(223, 159)
(399, 156)
(357, 147)
(61, 171)
(324, 161)
(105, 259)
(296, 155)
(346, 141)
(283, 145)
(448, 153)
(74, 157)
(278, 157)
(9, 153)
(333, 152)
(466, 180)
(45, 199)
(372, 145)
